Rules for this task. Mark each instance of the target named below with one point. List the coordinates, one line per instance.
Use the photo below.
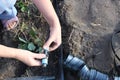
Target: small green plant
(27, 36)
(22, 6)
(28, 45)
(29, 40)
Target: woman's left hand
(54, 40)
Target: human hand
(54, 40)
(29, 58)
(47, 9)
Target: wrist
(18, 53)
(54, 22)
(55, 26)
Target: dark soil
(10, 68)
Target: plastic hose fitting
(45, 60)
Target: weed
(23, 6)
(28, 38)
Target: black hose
(61, 72)
(84, 72)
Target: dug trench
(87, 27)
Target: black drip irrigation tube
(84, 72)
(61, 71)
(33, 78)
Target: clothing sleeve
(7, 9)
(1, 8)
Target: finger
(39, 56)
(47, 44)
(54, 46)
(36, 63)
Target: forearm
(46, 8)
(7, 52)
(25, 56)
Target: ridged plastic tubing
(84, 72)
(73, 62)
(117, 78)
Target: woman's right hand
(29, 58)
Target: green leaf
(31, 46)
(23, 9)
(23, 46)
(22, 6)
(37, 40)
(22, 40)
(33, 32)
(39, 50)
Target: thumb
(47, 44)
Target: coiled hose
(84, 72)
